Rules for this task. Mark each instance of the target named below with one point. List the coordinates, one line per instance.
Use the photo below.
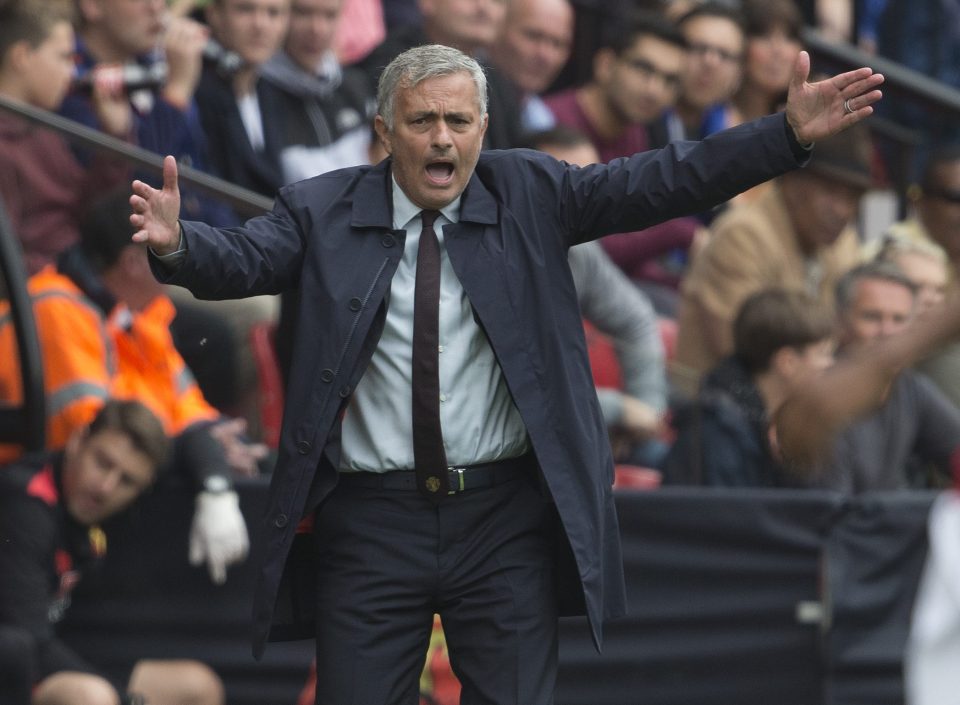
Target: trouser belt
(462, 478)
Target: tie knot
(428, 218)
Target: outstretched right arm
(156, 212)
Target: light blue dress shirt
(480, 422)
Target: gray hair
(416, 65)
(884, 271)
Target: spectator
(43, 185)
(609, 301)
(936, 204)
(926, 267)
(635, 79)
(715, 44)
(241, 113)
(160, 55)
(796, 235)
(908, 440)
(772, 29)
(51, 508)
(780, 339)
(530, 52)
(103, 328)
(324, 108)
(471, 27)
(325, 112)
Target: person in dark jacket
(442, 437)
(724, 437)
(51, 508)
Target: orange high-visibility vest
(89, 357)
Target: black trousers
(482, 560)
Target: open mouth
(440, 173)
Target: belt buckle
(459, 481)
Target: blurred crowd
(699, 328)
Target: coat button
(280, 521)
(344, 392)
(326, 375)
(387, 241)
(303, 447)
(355, 304)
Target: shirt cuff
(800, 151)
(172, 259)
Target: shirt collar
(404, 210)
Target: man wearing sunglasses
(936, 203)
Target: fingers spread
(844, 80)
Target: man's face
(49, 68)
(820, 207)
(312, 27)
(643, 81)
(940, 208)
(716, 55)
(130, 27)
(254, 29)
(103, 474)
(879, 308)
(468, 25)
(435, 140)
(535, 42)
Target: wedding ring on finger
(846, 107)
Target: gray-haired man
(442, 432)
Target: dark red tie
(429, 457)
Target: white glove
(218, 534)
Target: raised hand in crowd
(110, 101)
(183, 44)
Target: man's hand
(156, 212)
(218, 536)
(183, 44)
(242, 455)
(110, 101)
(817, 110)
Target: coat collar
(372, 200)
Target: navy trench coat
(332, 237)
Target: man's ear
(784, 362)
(18, 56)
(383, 133)
(76, 439)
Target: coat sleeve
(681, 179)
(263, 256)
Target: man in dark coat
(526, 529)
